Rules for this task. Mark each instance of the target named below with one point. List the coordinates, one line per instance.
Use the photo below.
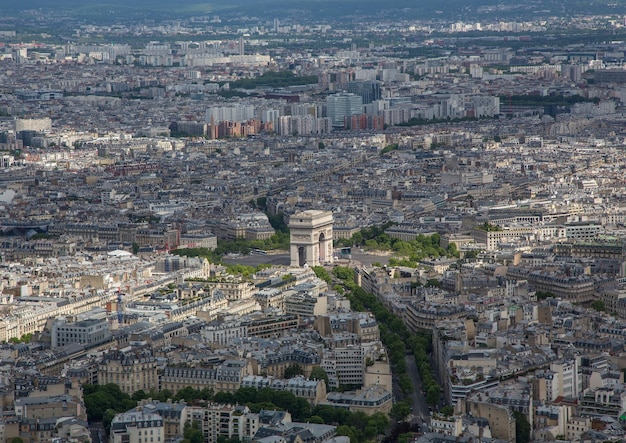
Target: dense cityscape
(312, 223)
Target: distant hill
(461, 9)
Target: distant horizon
(112, 10)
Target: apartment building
(225, 377)
(224, 421)
(132, 369)
(314, 391)
(138, 426)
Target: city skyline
(312, 222)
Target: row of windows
(146, 433)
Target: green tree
(338, 289)
(238, 269)
(192, 433)
(598, 305)
(372, 244)
(471, 254)
(447, 410)
(293, 370)
(224, 398)
(322, 273)
(163, 396)
(107, 418)
(318, 373)
(542, 295)
(433, 282)
(347, 431)
(261, 203)
(400, 410)
(343, 273)
(522, 428)
(100, 398)
(489, 227)
(389, 148)
(405, 382)
(139, 395)
(432, 394)
(188, 394)
(273, 79)
(451, 250)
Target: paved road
(255, 260)
(417, 398)
(97, 432)
(284, 259)
(367, 259)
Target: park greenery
(598, 305)
(400, 410)
(488, 227)
(104, 401)
(389, 148)
(279, 241)
(447, 411)
(234, 269)
(395, 336)
(359, 238)
(375, 239)
(317, 373)
(271, 79)
(322, 274)
(293, 371)
(407, 253)
(25, 338)
(192, 433)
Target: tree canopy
(395, 336)
(273, 79)
(293, 370)
(322, 273)
(522, 428)
(410, 252)
(192, 433)
(318, 373)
